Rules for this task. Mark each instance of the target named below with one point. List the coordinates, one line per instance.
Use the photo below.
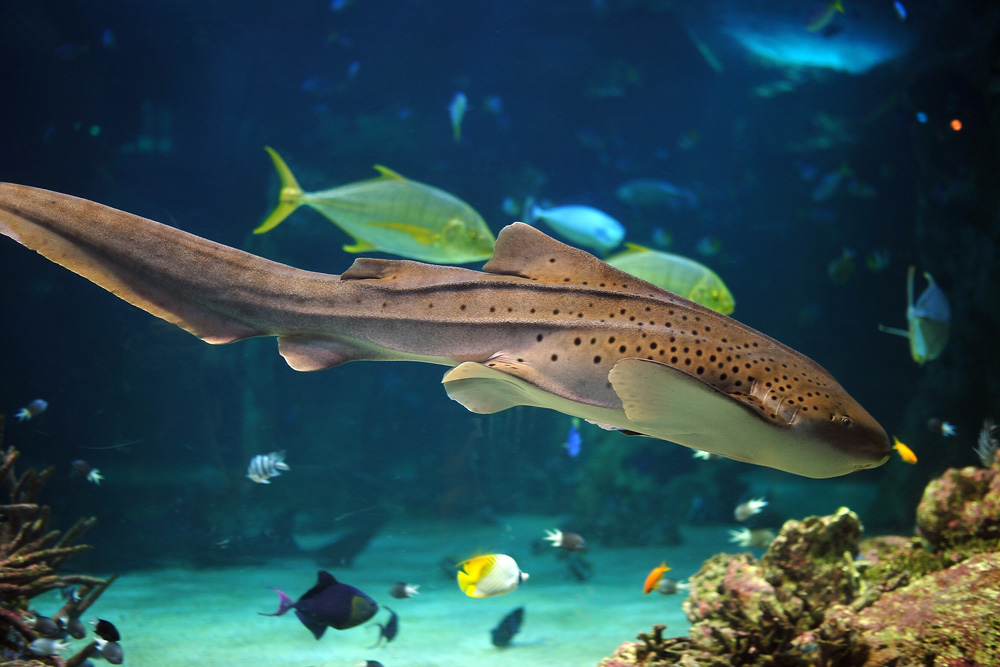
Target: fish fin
(472, 570)
(486, 390)
(360, 245)
(323, 581)
(315, 625)
(388, 174)
(406, 273)
(284, 604)
(289, 197)
(893, 330)
(669, 404)
(932, 304)
(419, 234)
(304, 352)
(635, 247)
(502, 382)
(529, 210)
(210, 290)
(521, 250)
(909, 291)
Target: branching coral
(30, 556)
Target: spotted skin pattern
(542, 324)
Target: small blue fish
(31, 410)
(582, 225)
(456, 112)
(829, 184)
(573, 438)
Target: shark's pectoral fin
(485, 390)
(668, 403)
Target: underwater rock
(945, 618)
(811, 558)
(739, 606)
(961, 506)
(811, 600)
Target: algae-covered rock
(811, 600)
(961, 506)
(945, 618)
(813, 559)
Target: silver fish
(265, 466)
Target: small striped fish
(265, 466)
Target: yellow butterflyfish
(489, 575)
(391, 214)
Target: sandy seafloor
(180, 616)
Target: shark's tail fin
(289, 197)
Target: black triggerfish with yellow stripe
(328, 604)
(542, 324)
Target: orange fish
(653, 578)
(905, 452)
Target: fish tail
(289, 197)
(528, 211)
(284, 604)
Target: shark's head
(849, 439)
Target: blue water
(163, 108)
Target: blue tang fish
(573, 438)
(328, 604)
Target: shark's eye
(846, 421)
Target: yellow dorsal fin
(521, 250)
(388, 174)
(635, 247)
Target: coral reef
(960, 508)
(821, 595)
(30, 555)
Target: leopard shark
(542, 324)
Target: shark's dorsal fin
(521, 250)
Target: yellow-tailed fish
(905, 452)
(542, 324)
(820, 17)
(929, 320)
(691, 279)
(391, 214)
(489, 575)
